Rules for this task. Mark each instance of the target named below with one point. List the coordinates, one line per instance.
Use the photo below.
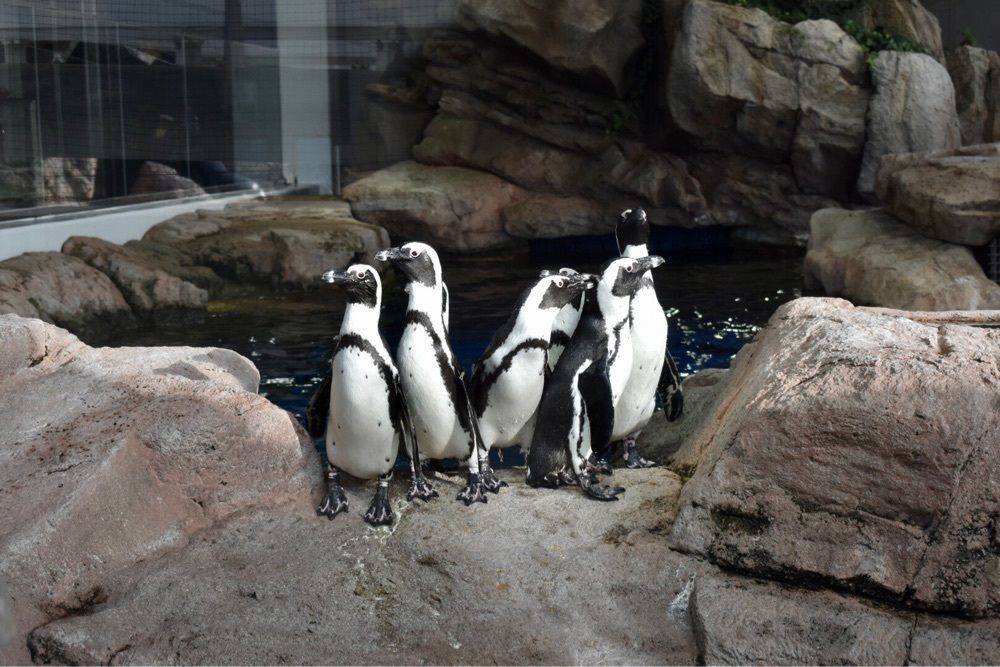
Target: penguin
(576, 414)
(565, 323)
(443, 420)
(367, 417)
(653, 369)
(508, 378)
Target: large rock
(451, 208)
(976, 75)
(290, 587)
(144, 286)
(912, 110)
(740, 80)
(60, 289)
(862, 456)
(156, 178)
(952, 195)
(871, 258)
(590, 38)
(552, 216)
(281, 243)
(906, 18)
(68, 181)
(115, 456)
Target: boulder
(740, 80)
(60, 289)
(591, 39)
(953, 196)
(871, 258)
(156, 178)
(115, 456)
(145, 287)
(906, 18)
(289, 587)
(912, 110)
(860, 456)
(68, 181)
(282, 243)
(552, 216)
(452, 208)
(976, 75)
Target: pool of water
(717, 296)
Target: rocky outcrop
(741, 80)
(950, 195)
(60, 289)
(871, 258)
(860, 456)
(554, 216)
(912, 110)
(976, 75)
(156, 178)
(114, 456)
(591, 39)
(906, 18)
(145, 287)
(283, 244)
(450, 207)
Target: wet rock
(912, 110)
(948, 195)
(61, 289)
(976, 75)
(591, 39)
(115, 456)
(872, 258)
(742, 81)
(741, 621)
(861, 457)
(287, 586)
(156, 178)
(553, 216)
(451, 208)
(145, 287)
(279, 243)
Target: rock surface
(156, 178)
(591, 38)
(906, 18)
(871, 258)
(68, 181)
(912, 110)
(146, 287)
(553, 216)
(60, 289)
(861, 456)
(950, 195)
(451, 208)
(976, 75)
(114, 456)
(276, 587)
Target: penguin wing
(318, 410)
(405, 423)
(466, 410)
(445, 306)
(595, 386)
(669, 389)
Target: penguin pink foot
(599, 491)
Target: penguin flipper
(445, 306)
(419, 486)
(595, 386)
(318, 410)
(669, 389)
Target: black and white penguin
(653, 369)
(367, 417)
(576, 414)
(443, 419)
(508, 379)
(565, 323)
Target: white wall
(117, 225)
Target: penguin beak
(337, 277)
(589, 280)
(651, 262)
(389, 255)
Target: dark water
(716, 296)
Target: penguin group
(580, 365)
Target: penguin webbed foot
(335, 501)
(596, 466)
(474, 492)
(633, 459)
(599, 491)
(380, 511)
(420, 488)
(489, 479)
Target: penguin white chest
(431, 405)
(360, 436)
(513, 398)
(619, 361)
(649, 347)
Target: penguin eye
(414, 253)
(630, 268)
(560, 282)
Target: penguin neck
(613, 308)
(427, 299)
(636, 251)
(569, 316)
(362, 319)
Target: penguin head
(555, 290)
(632, 229)
(623, 276)
(360, 281)
(418, 261)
